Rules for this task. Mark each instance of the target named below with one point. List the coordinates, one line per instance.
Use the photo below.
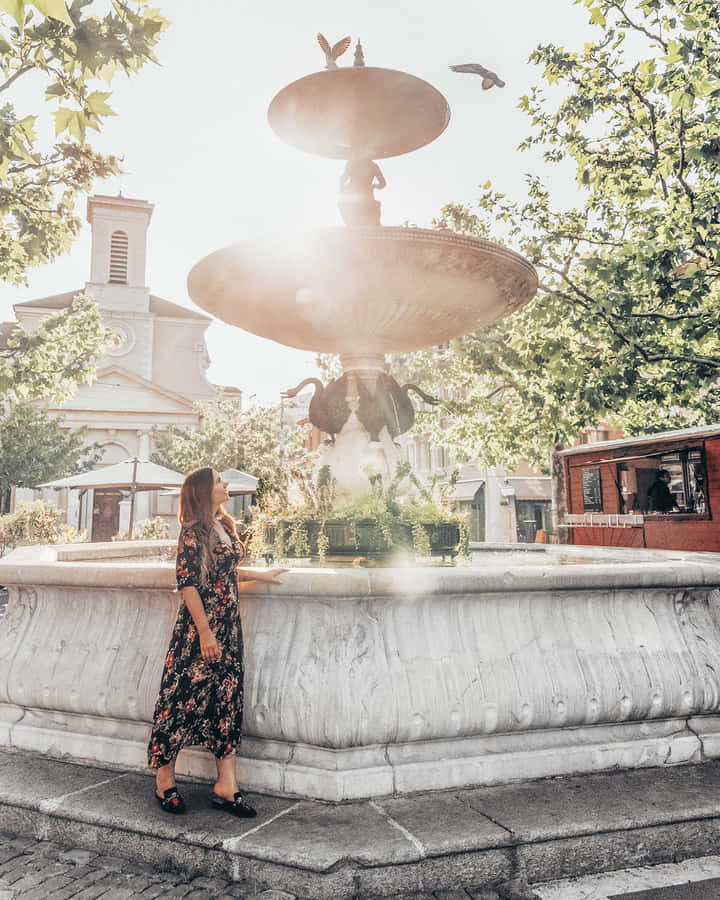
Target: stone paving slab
(570, 806)
(469, 840)
(32, 780)
(128, 802)
(705, 890)
(300, 838)
(446, 823)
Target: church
(153, 378)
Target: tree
(35, 448)
(230, 438)
(625, 327)
(52, 359)
(64, 53)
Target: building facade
(153, 378)
(609, 491)
(501, 506)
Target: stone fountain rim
(38, 565)
(351, 234)
(354, 237)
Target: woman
(201, 693)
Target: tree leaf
(16, 8)
(55, 9)
(55, 90)
(62, 119)
(76, 125)
(96, 103)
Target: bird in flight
(488, 78)
(332, 53)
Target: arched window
(118, 257)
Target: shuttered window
(118, 257)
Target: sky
(195, 142)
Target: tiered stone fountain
(362, 683)
(362, 291)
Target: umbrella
(132, 474)
(239, 482)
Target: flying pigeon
(332, 53)
(488, 78)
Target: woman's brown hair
(196, 508)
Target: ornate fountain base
(363, 683)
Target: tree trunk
(559, 493)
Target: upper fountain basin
(359, 113)
(363, 289)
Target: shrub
(37, 523)
(156, 529)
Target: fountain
(364, 290)
(370, 682)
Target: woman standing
(201, 693)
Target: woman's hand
(209, 647)
(272, 575)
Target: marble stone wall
(371, 682)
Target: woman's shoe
(172, 802)
(237, 806)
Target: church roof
(172, 310)
(158, 306)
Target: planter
(364, 538)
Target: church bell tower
(119, 250)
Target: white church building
(153, 378)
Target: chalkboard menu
(592, 490)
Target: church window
(118, 257)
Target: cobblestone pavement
(36, 870)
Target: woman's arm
(269, 576)
(209, 647)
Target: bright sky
(196, 142)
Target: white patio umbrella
(239, 482)
(131, 474)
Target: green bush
(37, 523)
(156, 529)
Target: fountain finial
(359, 59)
(332, 53)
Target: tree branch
(653, 37)
(21, 71)
(681, 170)
(671, 318)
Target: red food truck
(659, 491)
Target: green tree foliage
(231, 438)
(35, 448)
(57, 58)
(625, 325)
(52, 359)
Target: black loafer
(172, 802)
(237, 806)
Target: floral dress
(201, 701)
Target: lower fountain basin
(368, 682)
(363, 290)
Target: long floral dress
(200, 701)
